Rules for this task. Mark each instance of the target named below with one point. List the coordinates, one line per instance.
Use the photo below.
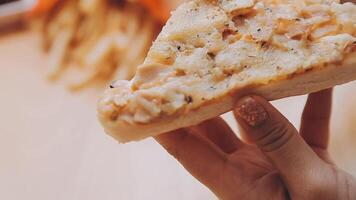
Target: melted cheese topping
(211, 47)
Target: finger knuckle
(316, 118)
(176, 149)
(275, 137)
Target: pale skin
(272, 160)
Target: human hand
(273, 161)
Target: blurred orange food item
(159, 9)
(43, 6)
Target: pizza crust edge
(318, 78)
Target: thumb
(276, 137)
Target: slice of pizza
(213, 52)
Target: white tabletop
(52, 146)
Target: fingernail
(251, 111)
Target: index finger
(198, 155)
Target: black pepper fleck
(268, 9)
(188, 99)
(264, 44)
(259, 30)
(211, 55)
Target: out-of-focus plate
(12, 12)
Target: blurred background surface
(52, 146)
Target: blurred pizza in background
(96, 41)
